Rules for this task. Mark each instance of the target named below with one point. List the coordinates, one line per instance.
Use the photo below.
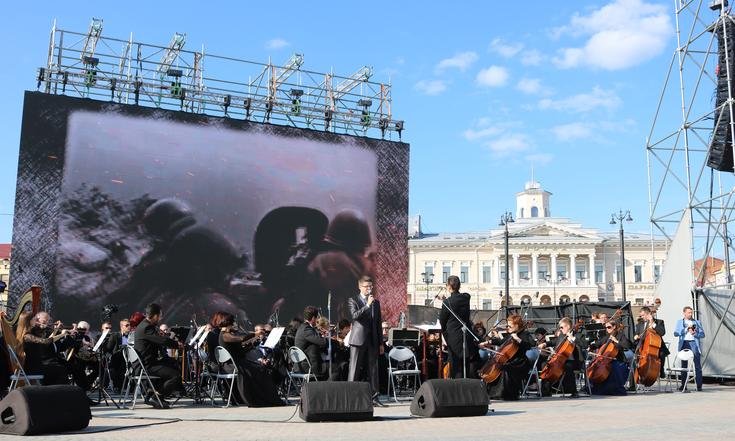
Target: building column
(534, 269)
(592, 270)
(496, 265)
(573, 269)
(553, 268)
(515, 269)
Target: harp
(31, 297)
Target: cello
(494, 366)
(554, 369)
(649, 361)
(599, 370)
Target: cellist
(615, 382)
(574, 362)
(649, 320)
(515, 370)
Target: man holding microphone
(365, 337)
(690, 333)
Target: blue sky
(488, 90)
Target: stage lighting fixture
(399, 128)
(328, 114)
(176, 73)
(65, 79)
(268, 110)
(41, 77)
(113, 85)
(136, 90)
(364, 103)
(383, 126)
(91, 61)
(247, 102)
(296, 101)
(226, 103)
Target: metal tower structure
(690, 145)
(94, 66)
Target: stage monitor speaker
(450, 398)
(34, 410)
(336, 401)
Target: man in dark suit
(651, 322)
(148, 345)
(459, 355)
(312, 343)
(366, 341)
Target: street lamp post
(428, 279)
(553, 281)
(505, 219)
(619, 219)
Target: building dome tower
(533, 201)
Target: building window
(534, 211)
(581, 271)
(502, 271)
(464, 274)
(638, 273)
(487, 304)
(523, 272)
(526, 300)
(584, 299)
(656, 273)
(639, 301)
(543, 270)
(545, 300)
(564, 299)
(599, 269)
(487, 272)
(618, 273)
(428, 274)
(521, 212)
(561, 270)
(446, 272)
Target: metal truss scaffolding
(693, 121)
(125, 71)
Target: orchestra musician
(149, 344)
(341, 353)
(310, 340)
(615, 382)
(254, 385)
(452, 331)
(574, 362)
(649, 321)
(113, 346)
(509, 385)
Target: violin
(554, 369)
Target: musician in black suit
(366, 341)
(309, 340)
(148, 345)
(651, 322)
(575, 361)
(614, 384)
(452, 331)
(113, 346)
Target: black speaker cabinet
(34, 410)
(450, 398)
(336, 401)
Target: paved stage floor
(652, 416)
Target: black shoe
(162, 405)
(574, 395)
(699, 389)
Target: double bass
(554, 369)
(648, 356)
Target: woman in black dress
(509, 385)
(254, 385)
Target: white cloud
(572, 131)
(276, 43)
(475, 134)
(584, 102)
(461, 61)
(540, 158)
(504, 49)
(430, 87)
(621, 34)
(530, 86)
(493, 76)
(531, 57)
(509, 143)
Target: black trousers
(169, 374)
(569, 381)
(457, 362)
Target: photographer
(690, 332)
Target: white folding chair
(19, 373)
(688, 356)
(295, 357)
(205, 376)
(133, 363)
(533, 356)
(402, 354)
(224, 357)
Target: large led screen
(125, 205)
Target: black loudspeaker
(34, 410)
(450, 398)
(719, 156)
(336, 401)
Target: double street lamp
(428, 279)
(553, 281)
(505, 219)
(619, 219)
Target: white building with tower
(551, 260)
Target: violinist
(509, 385)
(43, 344)
(255, 386)
(565, 332)
(341, 353)
(649, 321)
(615, 382)
(309, 339)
